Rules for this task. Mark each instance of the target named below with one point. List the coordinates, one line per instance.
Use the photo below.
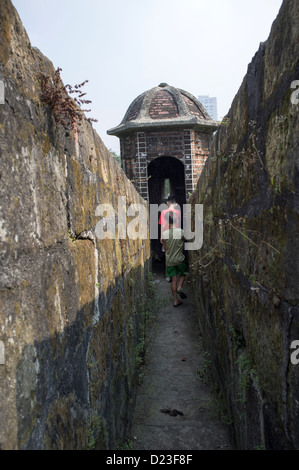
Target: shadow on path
(171, 382)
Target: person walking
(173, 241)
(173, 206)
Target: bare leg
(181, 282)
(174, 281)
(179, 290)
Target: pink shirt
(164, 224)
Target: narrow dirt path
(173, 363)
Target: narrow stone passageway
(175, 407)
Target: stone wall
(246, 276)
(71, 315)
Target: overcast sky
(125, 47)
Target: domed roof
(165, 105)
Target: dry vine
(66, 110)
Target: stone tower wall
(139, 149)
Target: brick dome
(162, 106)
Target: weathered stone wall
(246, 276)
(70, 304)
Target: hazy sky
(125, 47)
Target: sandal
(181, 294)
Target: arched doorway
(166, 175)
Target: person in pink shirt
(172, 206)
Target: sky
(126, 47)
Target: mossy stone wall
(70, 310)
(246, 274)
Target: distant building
(210, 105)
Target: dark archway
(166, 176)
(162, 170)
